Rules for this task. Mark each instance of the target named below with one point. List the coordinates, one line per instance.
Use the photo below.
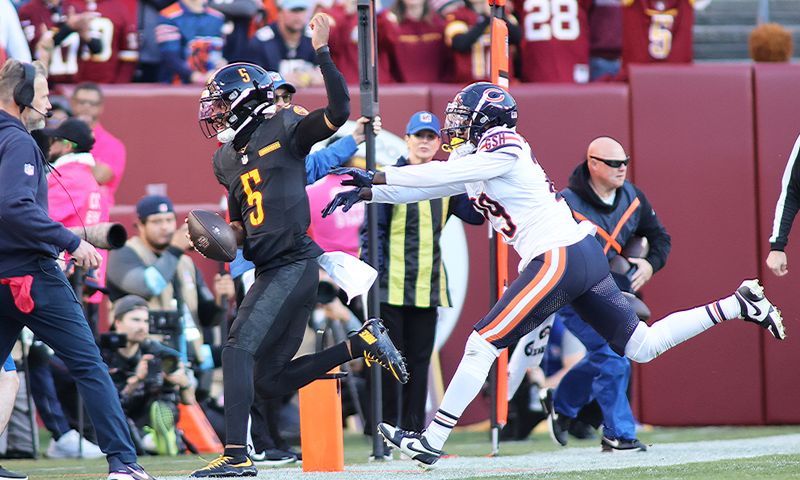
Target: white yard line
(565, 460)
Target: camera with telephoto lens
(326, 292)
(165, 322)
(161, 362)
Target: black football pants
(263, 339)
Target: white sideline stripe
(551, 271)
(562, 460)
(787, 175)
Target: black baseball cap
(74, 130)
(128, 303)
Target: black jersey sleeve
(788, 202)
(322, 123)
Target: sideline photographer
(148, 375)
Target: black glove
(348, 199)
(361, 178)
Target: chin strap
(458, 147)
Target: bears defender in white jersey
(506, 184)
(561, 261)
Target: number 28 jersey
(505, 183)
(267, 192)
(555, 40)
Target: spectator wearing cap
(285, 46)
(284, 91)
(73, 193)
(154, 266)
(412, 277)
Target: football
(212, 236)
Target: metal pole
(762, 15)
(368, 84)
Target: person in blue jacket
(34, 292)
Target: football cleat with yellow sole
(376, 346)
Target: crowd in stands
(419, 41)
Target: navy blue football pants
(58, 320)
(577, 274)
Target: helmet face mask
(233, 95)
(213, 115)
(474, 110)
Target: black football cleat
(557, 425)
(413, 444)
(377, 347)
(227, 466)
(621, 445)
(757, 308)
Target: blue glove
(346, 199)
(360, 178)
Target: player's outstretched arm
(321, 124)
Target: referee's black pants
(412, 331)
(264, 338)
(58, 320)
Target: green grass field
(547, 461)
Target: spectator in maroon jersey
(605, 40)
(69, 25)
(413, 35)
(344, 39)
(657, 31)
(555, 41)
(467, 32)
(116, 31)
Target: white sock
(731, 307)
(647, 343)
(479, 355)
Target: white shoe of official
(413, 444)
(757, 308)
(67, 447)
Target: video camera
(113, 341)
(165, 322)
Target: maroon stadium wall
(709, 144)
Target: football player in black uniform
(262, 165)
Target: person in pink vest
(74, 195)
(108, 152)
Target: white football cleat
(412, 444)
(757, 308)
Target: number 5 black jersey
(267, 191)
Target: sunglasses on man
(612, 163)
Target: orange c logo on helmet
(494, 95)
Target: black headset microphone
(24, 91)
